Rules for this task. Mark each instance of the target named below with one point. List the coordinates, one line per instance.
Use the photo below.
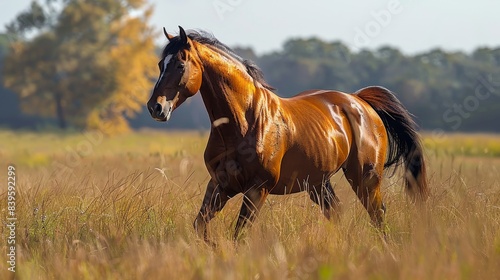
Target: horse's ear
(169, 37)
(183, 35)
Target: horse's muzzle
(161, 113)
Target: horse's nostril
(157, 108)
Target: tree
(133, 59)
(88, 64)
(10, 116)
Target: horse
(263, 144)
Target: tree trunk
(60, 112)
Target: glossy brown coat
(262, 144)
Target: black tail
(404, 141)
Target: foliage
(82, 63)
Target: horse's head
(180, 76)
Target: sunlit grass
(110, 213)
(471, 145)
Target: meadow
(95, 207)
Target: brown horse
(262, 144)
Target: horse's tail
(404, 141)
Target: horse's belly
(299, 172)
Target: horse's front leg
(214, 200)
(253, 199)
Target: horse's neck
(230, 95)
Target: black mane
(206, 38)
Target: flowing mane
(207, 38)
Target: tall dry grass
(125, 209)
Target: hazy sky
(413, 26)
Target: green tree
(88, 64)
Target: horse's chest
(228, 173)
(240, 164)
(238, 174)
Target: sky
(413, 26)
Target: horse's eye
(183, 55)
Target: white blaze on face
(165, 64)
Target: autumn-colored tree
(88, 64)
(132, 56)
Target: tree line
(452, 91)
(92, 64)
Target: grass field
(90, 207)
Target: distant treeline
(452, 91)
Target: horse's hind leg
(365, 180)
(327, 200)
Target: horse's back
(313, 92)
(355, 108)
